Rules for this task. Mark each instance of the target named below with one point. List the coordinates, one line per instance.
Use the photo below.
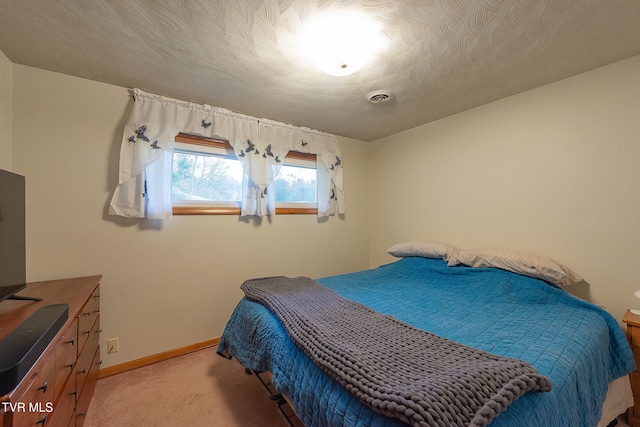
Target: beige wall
(166, 284)
(554, 170)
(6, 114)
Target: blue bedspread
(576, 344)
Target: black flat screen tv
(13, 265)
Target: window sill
(225, 210)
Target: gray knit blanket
(391, 366)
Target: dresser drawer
(87, 392)
(636, 404)
(83, 365)
(87, 318)
(66, 355)
(634, 335)
(37, 401)
(94, 302)
(65, 405)
(635, 383)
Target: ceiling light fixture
(342, 42)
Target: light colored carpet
(197, 389)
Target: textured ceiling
(444, 56)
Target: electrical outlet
(112, 345)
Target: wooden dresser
(633, 335)
(58, 388)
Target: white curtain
(144, 188)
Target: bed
(577, 345)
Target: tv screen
(13, 266)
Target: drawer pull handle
(82, 372)
(87, 332)
(44, 387)
(73, 393)
(71, 365)
(42, 420)
(88, 313)
(72, 341)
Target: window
(207, 179)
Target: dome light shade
(341, 42)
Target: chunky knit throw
(391, 366)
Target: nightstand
(633, 335)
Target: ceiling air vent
(379, 96)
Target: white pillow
(525, 263)
(421, 249)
